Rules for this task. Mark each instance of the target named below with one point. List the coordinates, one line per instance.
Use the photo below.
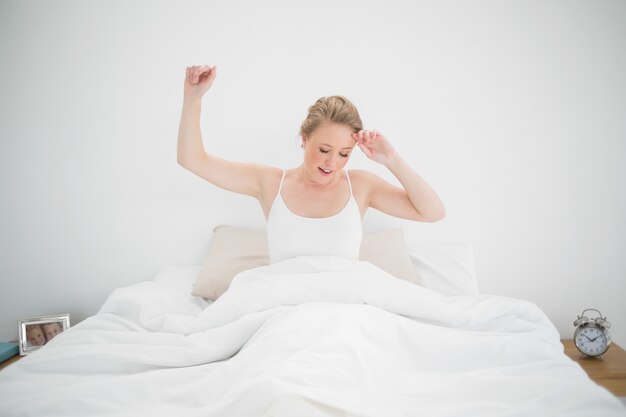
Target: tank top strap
(349, 183)
(280, 187)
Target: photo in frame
(35, 332)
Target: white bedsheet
(316, 336)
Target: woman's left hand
(375, 146)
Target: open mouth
(325, 171)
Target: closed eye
(343, 155)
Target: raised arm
(243, 178)
(198, 80)
(416, 200)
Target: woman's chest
(315, 203)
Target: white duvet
(310, 336)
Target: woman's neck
(306, 178)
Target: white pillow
(447, 268)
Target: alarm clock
(592, 337)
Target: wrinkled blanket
(310, 336)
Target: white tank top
(290, 235)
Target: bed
(309, 336)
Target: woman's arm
(241, 178)
(415, 201)
(198, 80)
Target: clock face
(591, 340)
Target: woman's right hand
(198, 79)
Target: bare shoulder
(363, 182)
(362, 179)
(368, 188)
(270, 178)
(267, 171)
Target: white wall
(514, 111)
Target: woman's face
(327, 150)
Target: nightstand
(608, 370)
(9, 361)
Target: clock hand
(588, 338)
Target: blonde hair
(334, 109)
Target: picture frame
(35, 332)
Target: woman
(315, 208)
